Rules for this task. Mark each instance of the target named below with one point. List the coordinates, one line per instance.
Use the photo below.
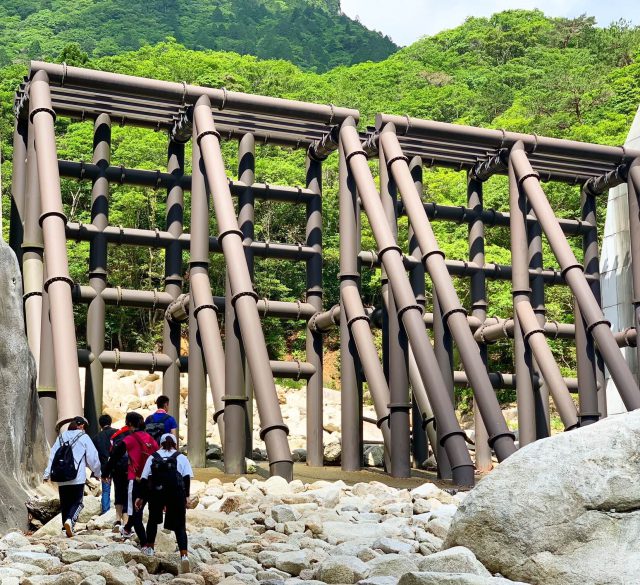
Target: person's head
(133, 420)
(168, 442)
(162, 402)
(78, 423)
(104, 421)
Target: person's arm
(54, 448)
(173, 427)
(116, 454)
(92, 458)
(144, 484)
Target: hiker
(166, 479)
(72, 452)
(102, 442)
(120, 480)
(161, 422)
(138, 446)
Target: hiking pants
(71, 501)
(135, 516)
(181, 535)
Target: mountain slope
(310, 33)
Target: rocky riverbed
(264, 533)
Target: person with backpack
(138, 446)
(161, 422)
(120, 480)
(102, 442)
(72, 452)
(166, 481)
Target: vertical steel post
(350, 379)
(53, 223)
(46, 382)
(633, 190)
(314, 297)
(173, 275)
(420, 446)
(18, 185)
(478, 309)
(396, 346)
(93, 386)
(196, 384)
(587, 356)
(32, 249)
(246, 216)
(541, 393)
(520, 293)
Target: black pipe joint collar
(445, 316)
(592, 326)
(58, 278)
(201, 307)
(400, 406)
(493, 438)
(431, 253)
(564, 271)
(357, 318)
(382, 252)
(226, 233)
(349, 156)
(528, 334)
(216, 415)
(444, 438)
(533, 174)
(230, 399)
(47, 214)
(38, 110)
(403, 310)
(381, 421)
(265, 430)
(246, 293)
(204, 133)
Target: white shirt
(182, 464)
(83, 448)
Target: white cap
(168, 436)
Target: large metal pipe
(274, 431)
(173, 274)
(574, 275)
(46, 382)
(422, 421)
(313, 343)
(633, 190)
(246, 218)
(93, 384)
(18, 184)
(53, 221)
(395, 346)
(500, 381)
(523, 360)
(409, 312)
(350, 372)
(204, 310)
(182, 93)
(500, 438)
(478, 291)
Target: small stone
(276, 486)
(342, 569)
(292, 562)
(458, 559)
(284, 513)
(94, 580)
(390, 545)
(15, 540)
(391, 565)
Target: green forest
(517, 70)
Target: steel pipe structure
(241, 365)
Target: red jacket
(140, 446)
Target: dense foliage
(518, 70)
(313, 34)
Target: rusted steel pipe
(274, 431)
(574, 275)
(478, 290)
(350, 370)
(93, 386)
(500, 438)
(409, 312)
(313, 343)
(53, 222)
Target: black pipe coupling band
(28, 246)
(217, 414)
(382, 420)
(204, 133)
(47, 214)
(445, 316)
(265, 430)
(460, 433)
(564, 271)
(493, 438)
(396, 158)
(230, 398)
(201, 307)
(557, 326)
(35, 293)
(589, 415)
(358, 318)
(403, 310)
(394, 248)
(480, 333)
(426, 421)
(528, 334)
(400, 406)
(226, 233)
(349, 156)
(56, 279)
(38, 110)
(431, 253)
(520, 291)
(526, 176)
(246, 293)
(592, 326)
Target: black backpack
(164, 474)
(156, 428)
(63, 466)
(122, 464)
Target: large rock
(22, 444)
(563, 510)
